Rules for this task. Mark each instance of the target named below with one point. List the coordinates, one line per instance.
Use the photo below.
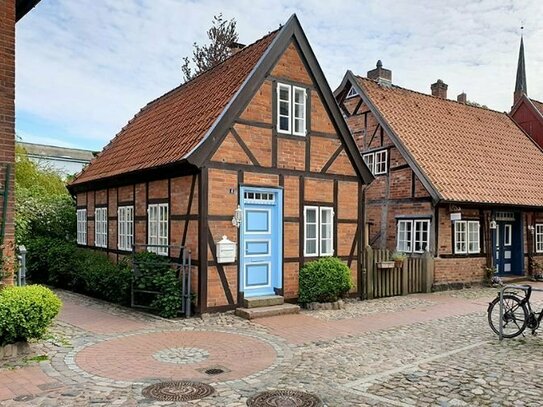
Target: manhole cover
(178, 391)
(284, 398)
(214, 371)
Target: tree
(221, 36)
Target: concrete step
(263, 301)
(261, 312)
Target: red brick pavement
(23, 381)
(302, 328)
(97, 321)
(130, 358)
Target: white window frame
(319, 252)
(279, 101)
(408, 244)
(82, 226)
(464, 236)
(352, 93)
(377, 161)
(125, 227)
(157, 228)
(538, 237)
(508, 234)
(291, 101)
(100, 227)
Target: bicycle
(517, 314)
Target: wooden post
(405, 277)
(370, 269)
(428, 264)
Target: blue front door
(261, 241)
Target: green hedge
(26, 312)
(62, 264)
(324, 280)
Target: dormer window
(377, 162)
(291, 109)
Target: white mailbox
(226, 251)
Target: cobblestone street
(424, 350)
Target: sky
(85, 68)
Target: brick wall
(7, 120)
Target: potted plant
(399, 258)
(385, 264)
(537, 271)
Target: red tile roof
(468, 154)
(169, 128)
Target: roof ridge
(535, 100)
(434, 97)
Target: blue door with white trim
(261, 241)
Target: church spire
(520, 85)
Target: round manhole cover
(284, 398)
(178, 391)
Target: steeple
(520, 85)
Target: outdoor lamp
(531, 228)
(236, 220)
(493, 224)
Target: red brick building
(526, 112)
(11, 11)
(459, 181)
(260, 136)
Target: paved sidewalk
(428, 349)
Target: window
(291, 106)
(466, 237)
(100, 227)
(413, 235)
(539, 237)
(319, 231)
(125, 228)
(352, 93)
(158, 228)
(82, 226)
(377, 161)
(508, 230)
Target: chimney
(381, 75)
(462, 98)
(439, 89)
(235, 47)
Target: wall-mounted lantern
(236, 220)
(531, 228)
(493, 224)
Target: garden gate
(182, 266)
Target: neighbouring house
(526, 112)
(256, 142)
(459, 181)
(11, 11)
(65, 161)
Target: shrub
(51, 261)
(324, 280)
(26, 312)
(156, 274)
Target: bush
(156, 274)
(26, 312)
(62, 264)
(324, 280)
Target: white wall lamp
(236, 220)
(493, 224)
(531, 228)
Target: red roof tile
(170, 127)
(538, 105)
(468, 154)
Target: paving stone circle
(181, 356)
(178, 391)
(284, 398)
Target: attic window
(352, 93)
(291, 109)
(377, 161)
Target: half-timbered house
(255, 149)
(458, 181)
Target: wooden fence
(413, 275)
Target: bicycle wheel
(515, 316)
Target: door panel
(260, 241)
(504, 247)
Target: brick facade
(7, 121)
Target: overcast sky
(85, 67)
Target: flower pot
(385, 265)
(398, 263)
